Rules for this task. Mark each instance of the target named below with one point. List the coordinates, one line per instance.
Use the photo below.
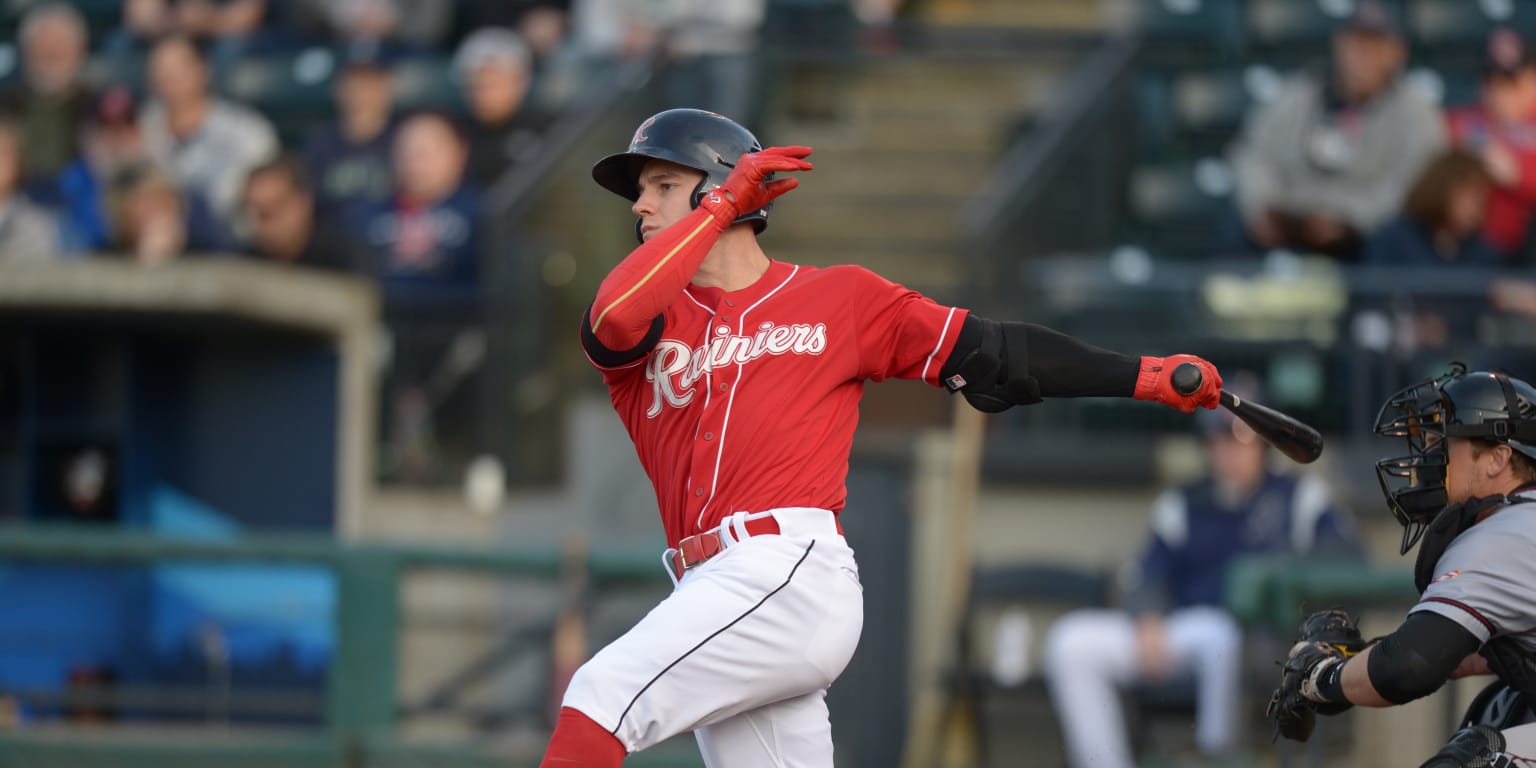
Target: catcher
(1467, 489)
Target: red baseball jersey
(1508, 220)
(750, 398)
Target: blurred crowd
(147, 157)
(157, 130)
(1365, 166)
(1374, 165)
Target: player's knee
(1068, 642)
(1220, 635)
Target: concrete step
(856, 215)
(999, 87)
(1075, 15)
(951, 174)
(922, 131)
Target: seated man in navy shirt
(423, 242)
(423, 246)
(1174, 623)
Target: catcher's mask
(1483, 405)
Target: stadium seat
(101, 17)
(117, 69)
(970, 685)
(1439, 23)
(1174, 192)
(1212, 21)
(1215, 102)
(283, 82)
(425, 83)
(1176, 209)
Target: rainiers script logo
(673, 367)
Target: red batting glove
(746, 190)
(1153, 383)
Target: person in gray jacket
(1323, 164)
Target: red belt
(702, 546)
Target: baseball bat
(1296, 440)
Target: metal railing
(361, 706)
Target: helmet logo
(640, 132)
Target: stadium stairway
(903, 141)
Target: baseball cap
(494, 47)
(1506, 53)
(1372, 17)
(116, 106)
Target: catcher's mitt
(1327, 640)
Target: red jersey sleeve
(646, 282)
(902, 333)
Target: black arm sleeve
(1060, 365)
(612, 358)
(1419, 657)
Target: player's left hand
(1155, 383)
(1327, 640)
(748, 187)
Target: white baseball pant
(741, 653)
(1090, 654)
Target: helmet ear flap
(698, 193)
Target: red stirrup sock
(578, 741)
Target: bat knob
(1186, 378)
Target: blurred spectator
(92, 185)
(1322, 164)
(349, 160)
(606, 30)
(51, 102)
(150, 221)
(205, 143)
(423, 243)
(412, 24)
(1441, 224)
(111, 144)
(27, 232)
(281, 217)
(711, 45)
(226, 29)
(1501, 130)
(1175, 624)
(424, 247)
(541, 23)
(1442, 219)
(495, 70)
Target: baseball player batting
(738, 378)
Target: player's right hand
(747, 188)
(1154, 382)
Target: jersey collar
(717, 300)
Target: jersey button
(724, 387)
(698, 491)
(727, 318)
(730, 303)
(709, 435)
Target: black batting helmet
(1484, 405)
(703, 141)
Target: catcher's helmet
(1485, 405)
(703, 141)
